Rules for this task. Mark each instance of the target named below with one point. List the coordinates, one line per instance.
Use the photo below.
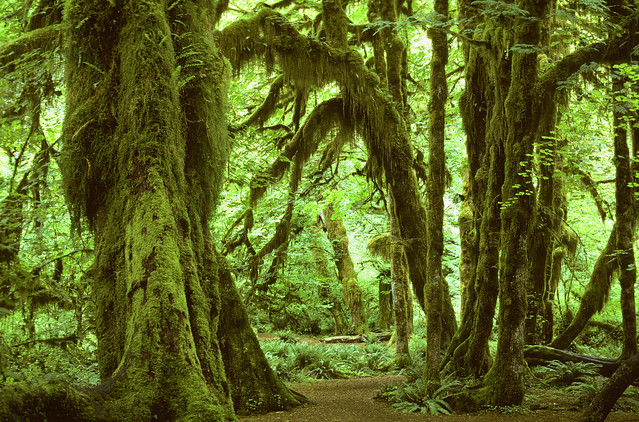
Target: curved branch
(266, 109)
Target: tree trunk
(336, 232)
(483, 114)
(385, 313)
(601, 405)
(504, 383)
(326, 281)
(542, 355)
(399, 282)
(467, 254)
(144, 155)
(255, 388)
(542, 250)
(436, 186)
(625, 215)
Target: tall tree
(435, 190)
(144, 154)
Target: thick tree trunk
(485, 131)
(504, 382)
(336, 232)
(255, 388)
(144, 155)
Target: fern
(415, 397)
(566, 373)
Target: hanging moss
(380, 245)
(325, 117)
(268, 106)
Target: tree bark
(483, 114)
(542, 355)
(399, 282)
(601, 405)
(326, 280)
(436, 185)
(385, 300)
(625, 214)
(505, 380)
(143, 160)
(545, 225)
(255, 388)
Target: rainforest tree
(143, 157)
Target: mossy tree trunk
(391, 64)
(564, 248)
(483, 113)
(545, 225)
(504, 382)
(626, 219)
(602, 404)
(327, 279)
(436, 185)
(385, 300)
(144, 153)
(337, 235)
(255, 388)
(465, 221)
(400, 289)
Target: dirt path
(351, 400)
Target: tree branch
(35, 42)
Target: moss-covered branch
(266, 109)
(596, 293)
(601, 52)
(324, 118)
(30, 46)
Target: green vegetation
(176, 176)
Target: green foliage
(418, 397)
(563, 374)
(300, 361)
(586, 390)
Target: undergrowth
(417, 397)
(302, 361)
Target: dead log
(358, 338)
(542, 355)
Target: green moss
(144, 155)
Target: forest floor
(351, 400)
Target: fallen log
(542, 355)
(358, 338)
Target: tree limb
(35, 42)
